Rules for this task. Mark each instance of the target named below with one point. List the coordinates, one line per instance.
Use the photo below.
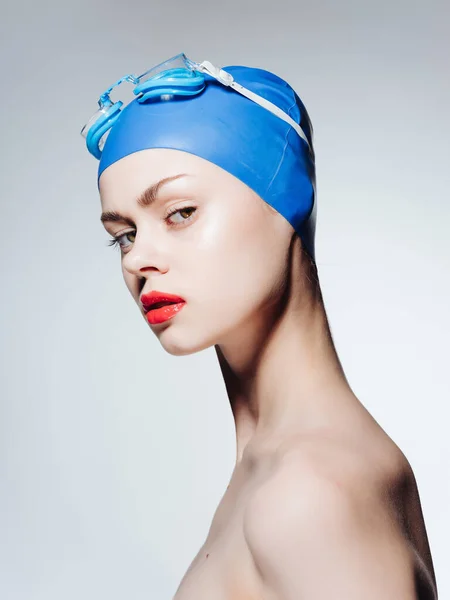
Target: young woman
(207, 185)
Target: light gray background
(115, 454)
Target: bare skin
(228, 565)
(331, 448)
(322, 503)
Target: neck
(282, 372)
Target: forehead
(131, 175)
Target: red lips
(160, 307)
(154, 297)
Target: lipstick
(161, 306)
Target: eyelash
(114, 241)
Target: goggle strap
(227, 79)
(271, 107)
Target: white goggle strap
(228, 80)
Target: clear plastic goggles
(178, 76)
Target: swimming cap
(236, 134)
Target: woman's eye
(181, 211)
(116, 241)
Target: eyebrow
(147, 198)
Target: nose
(144, 255)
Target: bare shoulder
(330, 519)
(321, 474)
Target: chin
(182, 345)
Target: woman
(209, 191)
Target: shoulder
(327, 508)
(325, 474)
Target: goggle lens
(178, 62)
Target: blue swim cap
(236, 134)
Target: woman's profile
(207, 186)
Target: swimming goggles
(178, 76)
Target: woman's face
(224, 251)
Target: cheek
(237, 274)
(132, 283)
